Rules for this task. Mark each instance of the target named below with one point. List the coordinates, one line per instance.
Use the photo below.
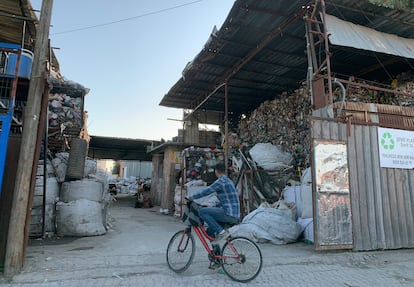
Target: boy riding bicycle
(228, 209)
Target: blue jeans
(213, 216)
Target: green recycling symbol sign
(387, 141)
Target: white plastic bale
(270, 157)
(293, 194)
(89, 189)
(307, 204)
(39, 180)
(307, 176)
(307, 227)
(269, 224)
(103, 177)
(179, 200)
(60, 169)
(90, 167)
(49, 169)
(80, 218)
(36, 219)
(52, 192)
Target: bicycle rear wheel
(180, 251)
(242, 259)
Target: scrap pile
(197, 172)
(69, 207)
(282, 122)
(65, 110)
(262, 174)
(66, 104)
(66, 115)
(403, 83)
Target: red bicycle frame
(203, 236)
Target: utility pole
(16, 235)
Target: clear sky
(129, 53)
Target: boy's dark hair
(220, 167)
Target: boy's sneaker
(216, 249)
(214, 264)
(222, 236)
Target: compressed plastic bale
(307, 204)
(269, 224)
(90, 167)
(79, 218)
(293, 194)
(76, 161)
(60, 167)
(52, 191)
(41, 168)
(89, 189)
(36, 219)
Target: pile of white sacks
(73, 208)
(301, 196)
(284, 221)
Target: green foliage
(406, 5)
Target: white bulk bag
(293, 194)
(89, 189)
(79, 218)
(269, 224)
(270, 157)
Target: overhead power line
(127, 19)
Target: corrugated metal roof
(347, 34)
(17, 21)
(260, 49)
(120, 148)
(13, 15)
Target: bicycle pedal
(214, 265)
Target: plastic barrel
(25, 67)
(76, 161)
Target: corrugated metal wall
(382, 199)
(137, 168)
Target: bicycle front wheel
(241, 259)
(180, 251)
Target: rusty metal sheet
(333, 229)
(378, 114)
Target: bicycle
(240, 258)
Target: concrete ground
(132, 253)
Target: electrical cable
(126, 19)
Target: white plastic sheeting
(347, 34)
(270, 157)
(269, 224)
